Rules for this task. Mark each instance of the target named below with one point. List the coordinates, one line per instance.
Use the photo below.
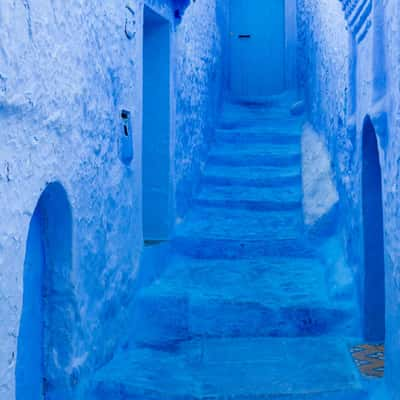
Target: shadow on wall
(374, 268)
(48, 311)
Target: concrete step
(257, 176)
(236, 369)
(256, 155)
(251, 198)
(258, 135)
(242, 298)
(212, 232)
(236, 116)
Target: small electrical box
(126, 139)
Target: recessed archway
(48, 313)
(374, 267)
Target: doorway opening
(156, 128)
(372, 211)
(48, 313)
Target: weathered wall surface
(390, 145)
(350, 70)
(65, 74)
(323, 57)
(200, 71)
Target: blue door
(257, 47)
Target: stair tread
(238, 115)
(256, 150)
(282, 195)
(231, 224)
(253, 174)
(258, 135)
(273, 154)
(234, 368)
(273, 282)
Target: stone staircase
(243, 310)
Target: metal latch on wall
(126, 139)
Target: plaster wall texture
(350, 70)
(200, 64)
(65, 75)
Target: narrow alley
(200, 200)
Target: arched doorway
(48, 312)
(374, 267)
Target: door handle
(244, 36)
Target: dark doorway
(48, 313)
(156, 127)
(374, 266)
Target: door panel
(257, 50)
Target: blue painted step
(257, 155)
(258, 135)
(212, 232)
(238, 116)
(257, 176)
(242, 298)
(251, 198)
(235, 369)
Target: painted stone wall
(349, 55)
(201, 79)
(323, 57)
(65, 75)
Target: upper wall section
(358, 17)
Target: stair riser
(254, 160)
(234, 249)
(272, 181)
(250, 205)
(164, 321)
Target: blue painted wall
(201, 76)
(348, 59)
(63, 85)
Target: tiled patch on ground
(370, 359)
